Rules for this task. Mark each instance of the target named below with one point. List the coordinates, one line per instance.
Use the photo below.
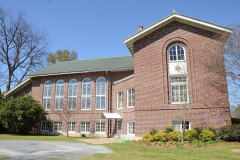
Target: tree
(61, 56)
(21, 115)
(236, 112)
(22, 47)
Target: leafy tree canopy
(21, 115)
(236, 112)
(61, 56)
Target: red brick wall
(27, 89)
(77, 115)
(151, 77)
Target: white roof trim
(181, 17)
(22, 84)
(124, 79)
(110, 116)
(51, 74)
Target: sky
(96, 28)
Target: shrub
(83, 135)
(198, 129)
(190, 135)
(213, 130)
(168, 129)
(235, 120)
(206, 135)
(21, 115)
(153, 131)
(175, 136)
(230, 132)
(159, 136)
(147, 137)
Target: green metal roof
(89, 65)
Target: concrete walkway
(101, 141)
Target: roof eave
(175, 16)
(41, 75)
(18, 87)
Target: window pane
(70, 103)
(97, 102)
(75, 90)
(103, 102)
(98, 88)
(62, 90)
(74, 105)
(84, 89)
(88, 102)
(103, 89)
(83, 102)
(70, 90)
(89, 89)
(61, 103)
(48, 103)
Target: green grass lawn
(133, 151)
(41, 137)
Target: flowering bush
(174, 136)
(190, 135)
(160, 136)
(147, 137)
(206, 135)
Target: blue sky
(96, 29)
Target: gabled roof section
(90, 65)
(18, 87)
(124, 79)
(174, 17)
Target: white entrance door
(119, 126)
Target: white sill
(58, 131)
(180, 102)
(177, 61)
(119, 108)
(71, 131)
(86, 109)
(131, 134)
(100, 109)
(58, 109)
(47, 109)
(101, 132)
(130, 106)
(84, 132)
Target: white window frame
(84, 124)
(101, 95)
(101, 127)
(70, 126)
(180, 125)
(58, 124)
(175, 45)
(45, 124)
(86, 96)
(59, 96)
(130, 90)
(121, 95)
(48, 89)
(128, 125)
(70, 95)
(179, 84)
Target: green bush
(83, 135)
(230, 133)
(174, 136)
(198, 129)
(206, 135)
(168, 129)
(153, 131)
(190, 135)
(21, 115)
(147, 137)
(159, 136)
(213, 130)
(235, 120)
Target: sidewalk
(101, 141)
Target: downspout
(108, 104)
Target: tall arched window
(176, 53)
(100, 93)
(86, 94)
(72, 94)
(59, 94)
(47, 94)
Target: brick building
(127, 96)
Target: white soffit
(111, 116)
(177, 17)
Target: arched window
(72, 94)
(100, 93)
(59, 94)
(86, 94)
(47, 94)
(176, 53)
